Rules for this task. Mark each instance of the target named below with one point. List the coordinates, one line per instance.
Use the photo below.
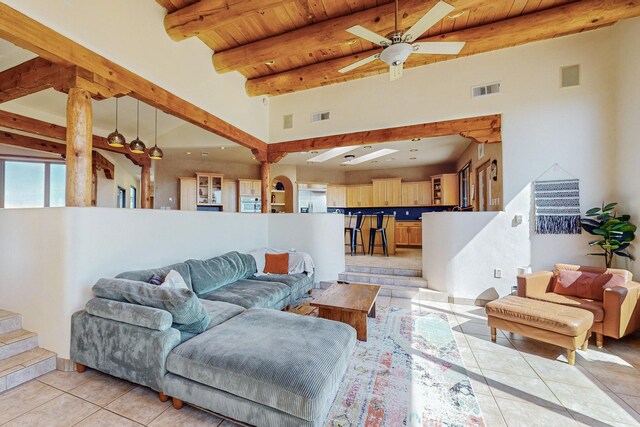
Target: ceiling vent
(320, 116)
(287, 121)
(570, 76)
(484, 90)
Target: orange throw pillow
(585, 284)
(276, 263)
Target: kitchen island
(369, 221)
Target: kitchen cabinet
(336, 196)
(387, 192)
(359, 196)
(188, 193)
(416, 193)
(409, 233)
(249, 187)
(444, 189)
(209, 189)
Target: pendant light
(137, 146)
(155, 153)
(115, 138)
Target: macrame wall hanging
(557, 204)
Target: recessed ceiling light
(374, 161)
(413, 150)
(313, 152)
(371, 156)
(412, 158)
(456, 15)
(334, 152)
(416, 139)
(366, 147)
(188, 152)
(272, 62)
(222, 148)
(390, 159)
(253, 157)
(349, 156)
(204, 154)
(343, 165)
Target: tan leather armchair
(617, 315)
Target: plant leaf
(610, 206)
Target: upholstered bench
(556, 324)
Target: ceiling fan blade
(438, 48)
(395, 72)
(437, 12)
(360, 63)
(362, 32)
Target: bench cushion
(252, 293)
(557, 318)
(594, 307)
(281, 360)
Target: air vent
(570, 76)
(320, 116)
(287, 121)
(484, 90)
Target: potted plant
(615, 233)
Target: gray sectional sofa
(223, 344)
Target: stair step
(408, 272)
(17, 342)
(9, 321)
(25, 366)
(384, 279)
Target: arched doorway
(281, 195)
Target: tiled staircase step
(384, 279)
(408, 272)
(9, 321)
(422, 294)
(25, 366)
(17, 342)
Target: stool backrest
(379, 220)
(358, 220)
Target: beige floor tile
(68, 380)
(24, 398)
(502, 345)
(383, 301)
(525, 414)
(401, 303)
(102, 389)
(478, 381)
(406, 258)
(104, 418)
(63, 411)
(632, 401)
(186, 417)
(538, 348)
(592, 403)
(561, 371)
(601, 358)
(480, 329)
(502, 362)
(521, 388)
(618, 382)
(586, 421)
(140, 404)
(467, 357)
(490, 411)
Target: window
(122, 197)
(133, 193)
(31, 184)
(464, 185)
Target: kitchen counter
(369, 221)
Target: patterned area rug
(408, 373)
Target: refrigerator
(312, 198)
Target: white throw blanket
(299, 262)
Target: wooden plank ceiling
(290, 45)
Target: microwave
(250, 205)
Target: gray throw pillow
(188, 313)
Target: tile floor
(518, 382)
(409, 258)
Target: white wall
(542, 123)
(320, 235)
(131, 34)
(52, 257)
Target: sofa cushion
(594, 307)
(219, 311)
(251, 293)
(133, 314)
(145, 275)
(299, 283)
(285, 361)
(585, 284)
(599, 270)
(188, 313)
(208, 275)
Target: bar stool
(382, 221)
(353, 233)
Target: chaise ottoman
(263, 367)
(567, 327)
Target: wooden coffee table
(349, 303)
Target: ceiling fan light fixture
(396, 54)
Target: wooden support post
(599, 340)
(79, 144)
(145, 183)
(265, 175)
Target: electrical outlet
(394, 213)
(407, 213)
(518, 219)
(497, 273)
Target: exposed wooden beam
(561, 20)
(27, 33)
(207, 15)
(99, 162)
(32, 143)
(276, 156)
(29, 77)
(489, 124)
(484, 136)
(325, 35)
(50, 130)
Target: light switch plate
(497, 273)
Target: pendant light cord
(116, 114)
(396, 16)
(155, 142)
(138, 122)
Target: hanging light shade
(156, 153)
(137, 146)
(115, 138)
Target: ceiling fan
(397, 45)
